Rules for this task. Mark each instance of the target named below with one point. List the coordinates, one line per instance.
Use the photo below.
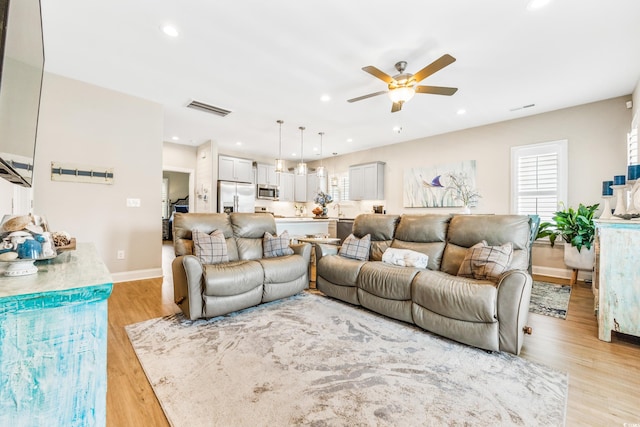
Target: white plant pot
(582, 260)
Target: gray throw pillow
(484, 262)
(274, 246)
(210, 248)
(355, 248)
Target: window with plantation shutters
(632, 142)
(539, 178)
(339, 188)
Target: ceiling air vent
(208, 108)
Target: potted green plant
(575, 227)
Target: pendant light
(280, 160)
(321, 171)
(301, 169)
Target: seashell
(36, 229)
(16, 223)
(8, 256)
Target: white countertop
(304, 219)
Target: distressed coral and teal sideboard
(53, 342)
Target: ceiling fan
(403, 86)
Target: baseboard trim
(562, 273)
(128, 276)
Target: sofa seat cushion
(284, 268)
(456, 297)
(339, 270)
(386, 281)
(232, 278)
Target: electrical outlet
(120, 254)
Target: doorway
(177, 196)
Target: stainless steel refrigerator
(236, 197)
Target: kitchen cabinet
(366, 181)
(266, 174)
(287, 186)
(306, 187)
(235, 169)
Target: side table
(314, 241)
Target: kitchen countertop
(302, 219)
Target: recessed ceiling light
(175, 138)
(170, 30)
(349, 139)
(315, 148)
(461, 111)
(537, 4)
(239, 143)
(397, 129)
(325, 98)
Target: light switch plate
(133, 203)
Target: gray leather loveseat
(488, 314)
(247, 278)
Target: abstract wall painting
(431, 186)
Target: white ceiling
(270, 60)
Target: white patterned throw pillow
(484, 262)
(210, 248)
(274, 246)
(355, 248)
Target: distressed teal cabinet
(53, 343)
(618, 278)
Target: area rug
(310, 360)
(550, 299)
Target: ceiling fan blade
(436, 90)
(436, 65)
(397, 106)
(360, 98)
(379, 74)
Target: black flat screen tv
(21, 71)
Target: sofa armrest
(323, 249)
(303, 249)
(188, 275)
(514, 294)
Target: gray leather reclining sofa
(480, 313)
(248, 279)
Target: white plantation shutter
(539, 178)
(341, 191)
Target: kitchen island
(304, 226)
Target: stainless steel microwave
(267, 192)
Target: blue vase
(29, 249)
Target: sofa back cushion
(467, 230)
(183, 223)
(249, 229)
(380, 227)
(423, 233)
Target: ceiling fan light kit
(403, 86)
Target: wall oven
(267, 192)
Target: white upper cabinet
(287, 185)
(305, 187)
(366, 181)
(235, 169)
(266, 174)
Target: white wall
(88, 125)
(597, 150)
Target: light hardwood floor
(604, 378)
